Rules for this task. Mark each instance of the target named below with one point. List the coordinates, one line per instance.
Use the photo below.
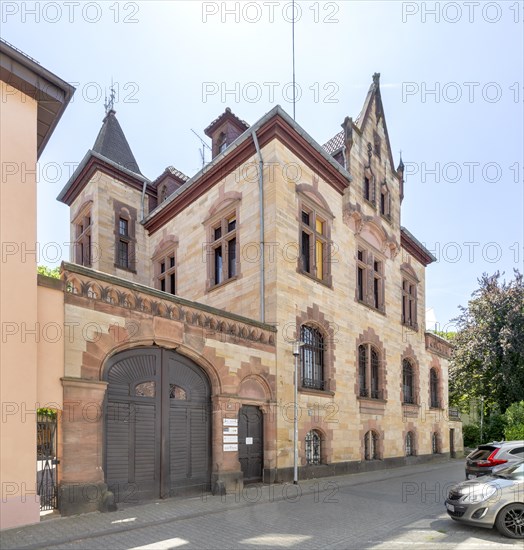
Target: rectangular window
(125, 239)
(224, 261)
(314, 243)
(218, 265)
(409, 303)
(123, 227)
(166, 272)
(123, 254)
(367, 189)
(370, 280)
(82, 250)
(232, 258)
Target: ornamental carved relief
(194, 315)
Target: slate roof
(112, 144)
(226, 113)
(335, 143)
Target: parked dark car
(491, 501)
(484, 458)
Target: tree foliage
(514, 422)
(488, 349)
(48, 271)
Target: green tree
(514, 422)
(48, 271)
(488, 348)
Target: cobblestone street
(398, 508)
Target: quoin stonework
(181, 302)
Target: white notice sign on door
(230, 421)
(249, 441)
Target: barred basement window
(435, 443)
(371, 446)
(408, 390)
(312, 358)
(410, 444)
(313, 447)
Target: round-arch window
(410, 444)
(313, 447)
(312, 357)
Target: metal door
(250, 443)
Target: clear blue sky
(452, 85)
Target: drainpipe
(261, 205)
(142, 201)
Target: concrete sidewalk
(57, 531)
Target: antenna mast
(203, 150)
(293, 47)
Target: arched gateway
(157, 425)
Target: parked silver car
(495, 500)
(484, 458)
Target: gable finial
(401, 163)
(376, 79)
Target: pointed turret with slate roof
(112, 154)
(112, 144)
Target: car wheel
(510, 521)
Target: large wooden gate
(157, 425)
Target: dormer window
(385, 201)
(222, 143)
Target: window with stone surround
(385, 201)
(434, 389)
(408, 382)
(165, 271)
(370, 279)
(82, 229)
(409, 444)
(314, 239)
(313, 448)
(409, 302)
(435, 443)
(222, 257)
(371, 445)
(368, 372)
(125, 241)
(312, 358)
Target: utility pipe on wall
(261, 208)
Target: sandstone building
(199, 286)
(184, 295)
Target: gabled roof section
(112, 144)
(276, 124)
(410, 243)
(226, 115)
(170, 171)
(373, 97)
